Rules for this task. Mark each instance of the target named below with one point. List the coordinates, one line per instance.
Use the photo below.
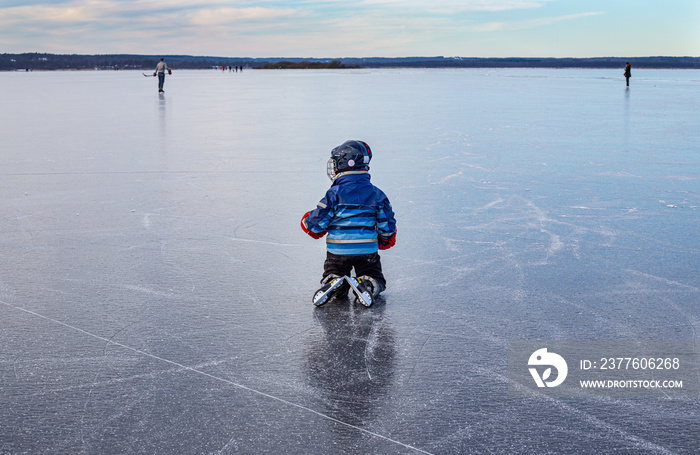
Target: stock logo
(541, 358)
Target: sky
(360, 28)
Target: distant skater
(161, 68)
(628, 72)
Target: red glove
(306, 229)
(154, 74)
(385, 244)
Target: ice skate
(363, 290)
(332, 286)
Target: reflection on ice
(352, 364)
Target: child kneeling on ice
(358, 219)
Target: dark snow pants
(367, 264)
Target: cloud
(108, 20)
(33, 11)
(231, 16)
(263, 27)
(454, 6)
(528, 24)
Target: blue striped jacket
(353, 212)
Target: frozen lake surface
(155, 286)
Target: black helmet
(349, 156)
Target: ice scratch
(446, 178)
(491, 204)
(263, 242)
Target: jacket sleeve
(316, 221)
(386, 225)
(305, 227)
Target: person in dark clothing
(628, 72)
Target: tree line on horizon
(44, 61)
(306, 64)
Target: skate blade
(322, 297)
(362, 297)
